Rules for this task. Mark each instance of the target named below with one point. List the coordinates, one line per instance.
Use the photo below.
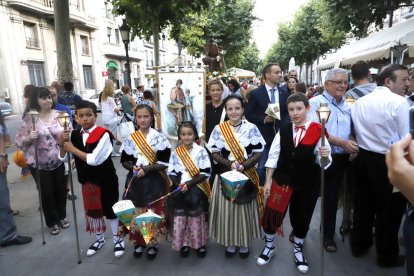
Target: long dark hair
(38, 92)
(231, 97)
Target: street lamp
(64, 121)
(34, 116)
(323, 113)
(125, 30)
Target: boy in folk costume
(293, 163)
(91, 147)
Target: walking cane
(64, 120)
(323, 114)
(34, 115)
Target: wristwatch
(4, 155)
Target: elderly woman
(46, 134)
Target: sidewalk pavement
(58, 256)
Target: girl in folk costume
(293, 162)
(91, 146)
(146, 152)
(236, 145)
(190, 166)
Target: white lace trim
(157, 141)
(248, 134)
(199, 156)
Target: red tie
(299, 127)
(299, 134)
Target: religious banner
(182, 98)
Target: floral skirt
(135, 236)
(190, 231)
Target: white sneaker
(119, 248)
(95, 247)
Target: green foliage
(142, 15)
(249, 58)
(230, 26)
(302, 39)
(356, 16)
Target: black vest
(98, 175)
(296, 165)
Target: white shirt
(274, 151)
(380, 119)
(108, 111)
(100, 153)
(269, 93)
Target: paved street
(58, 255)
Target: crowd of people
(281, 156)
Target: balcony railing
(32, 42)
(44, 5)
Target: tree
(62, 35)
(149, 17)
(356, 16)
(249, 58)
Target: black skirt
(146, 189)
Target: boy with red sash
(91, 147)
(293, 162)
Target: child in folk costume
(190, 166)
(236, 145)
(91, 147)
(293, 162)
(146, 152)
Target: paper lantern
(147, 224)
(233, 182)
(124, 210)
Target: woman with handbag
(46, 134)
(146, 155)
(236, 144)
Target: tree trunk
(156, 36)
(306, 73)
(62, 35)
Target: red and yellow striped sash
(237, 151)
(192, 169)
(148, 152)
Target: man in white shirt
(380, 119)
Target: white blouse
(200, 158)
(247, 134)
(157, 141)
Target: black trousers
(334, 177)
(374, 199)
(54, 193)
(301, 207)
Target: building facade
(28, 49)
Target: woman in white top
(109, 109)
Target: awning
(374, 47)
(112, 64)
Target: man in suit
(259, 99)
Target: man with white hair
(342, 142)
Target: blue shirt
(339, 122)
(62, 107)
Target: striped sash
(192, 169)
(147, 151)
(237, 151)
